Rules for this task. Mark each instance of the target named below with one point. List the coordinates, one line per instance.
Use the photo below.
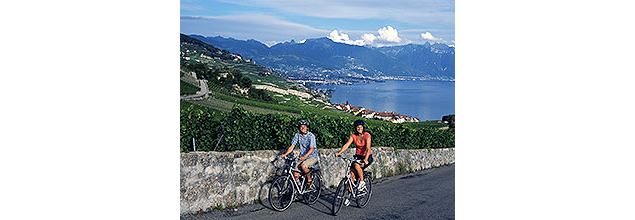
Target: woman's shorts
(360, 157)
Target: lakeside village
(321, 97)
(355, 110)
(388, 116)
(310, 83)
(370, 114)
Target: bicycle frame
(352, 186)
(348, 189)
(291, 167)
(286, 181)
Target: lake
(426, 100)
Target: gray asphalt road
(199, 94)
(428, 194)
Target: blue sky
(369, 23)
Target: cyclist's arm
(368, 152)
(307, 153)
(288, 151)
(348, 143)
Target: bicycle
(285, 187)
(347, 188)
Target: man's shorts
(309, 162)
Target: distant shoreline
(350, 81)
(436, 104)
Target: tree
(245, 82)
(259, 94)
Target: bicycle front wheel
(363, 200)
(281, 193)
(341, 194)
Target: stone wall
(226, 179)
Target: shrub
(243, 130)
(259, 94)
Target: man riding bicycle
(363, 152)
(308, 150)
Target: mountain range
(322, 58)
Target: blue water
(426, 100)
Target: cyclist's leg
(358, 168)
(305, 167)
(370, 161)
(358, 171)
(296, 173)
(353, 174)
(352, 177)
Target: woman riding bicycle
(363, 152)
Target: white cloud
(428, 36)
(368, 38)
(341, 37)
(389, 34)
(442, 35)
(386, 36)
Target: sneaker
(347, 202)
(361, 186)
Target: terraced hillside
(233, 80)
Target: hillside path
(201, 94)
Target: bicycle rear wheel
(281, 193)
(340, 195)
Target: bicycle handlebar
(288, 158)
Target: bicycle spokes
(281, 194)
